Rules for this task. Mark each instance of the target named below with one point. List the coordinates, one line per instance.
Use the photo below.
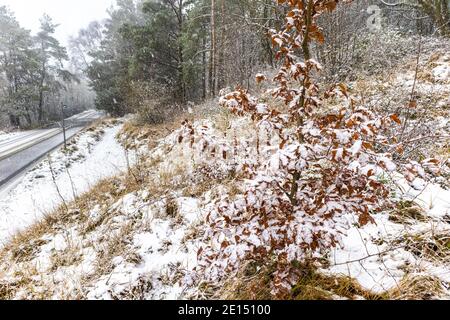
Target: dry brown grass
(418, 288)
(137, 291)
(407, 212)
(317, 286)
(22, 281)
(253, 283)
(114, 245)
(134, 134)
(201, 184)
(22, 245)
(66, 258)
(20, 251)
(430, 245)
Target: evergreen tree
(18, 66)
(50, 56)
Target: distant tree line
(150, 56)
(34, 80)
(155, 56)
(171, 52)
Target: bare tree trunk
(14, 120)
(27, 117)
(41, 95)
(221, 49)
(182, 85)
(212, 58)
(204, 68)
(266, 41)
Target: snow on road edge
(37, 193)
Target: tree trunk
(14, 120)
(438, 11)
(204, 69)
(182, 85)
(307, 15)
(221, 49)
(266, 41)
(28, 118)
(41, 95)
(212, 58)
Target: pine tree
(51, 56)
(18, 64)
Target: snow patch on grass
(164, 253)
(92, 156)
(380, 255)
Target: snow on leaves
(299, 191)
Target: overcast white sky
(72, 15)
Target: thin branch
(368, 256)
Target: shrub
(151, 102)
(304, 188)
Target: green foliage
(109, 71)
(52, 76)
(32, 70)
(168, 44)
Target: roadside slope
(92, 155)
(137, 235)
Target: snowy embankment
(139, 240)
(92, 155)
(411, 242)
(414, 241)
(120, 240)
(137, 235)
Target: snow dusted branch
(300, 190)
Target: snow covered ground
(140, 236)
(163, 252)
(141, 245)
(120, 244)
(378, 255)
(37, 193)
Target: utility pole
(64, 125)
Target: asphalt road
(13, 165)
(21, 152)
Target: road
(26, 149)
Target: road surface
(26, 148)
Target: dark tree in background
(34, 78)
(153, 57)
